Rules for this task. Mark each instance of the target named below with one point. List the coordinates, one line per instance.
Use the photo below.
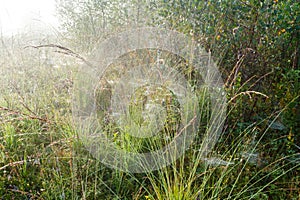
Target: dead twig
(233, 74)
(12, 164)
(62, 50)
(22, 100)
(247, 93)
(15, 112)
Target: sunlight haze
(18, 15)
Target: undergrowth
(42, 157)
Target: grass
(42, 157)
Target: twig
(63, 50)
(234, 71)
(12, 164)
(247, 81)
(267, 74)
(59, 141)
(24, 114)
(22, 100)
(186, 126)
(247, 93)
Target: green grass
(42, 157)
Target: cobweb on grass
(145, 97)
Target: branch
(24, 114)
(247, 93)
(62, 49)
(12, 164)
